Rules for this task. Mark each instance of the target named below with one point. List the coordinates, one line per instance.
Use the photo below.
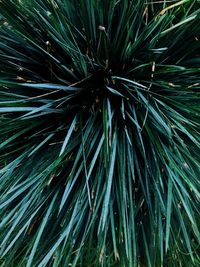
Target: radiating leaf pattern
(99, 133)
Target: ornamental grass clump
(99, 133)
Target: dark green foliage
(99, 133)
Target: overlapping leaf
(100, 143)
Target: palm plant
(100, 141)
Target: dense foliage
(99, 133)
